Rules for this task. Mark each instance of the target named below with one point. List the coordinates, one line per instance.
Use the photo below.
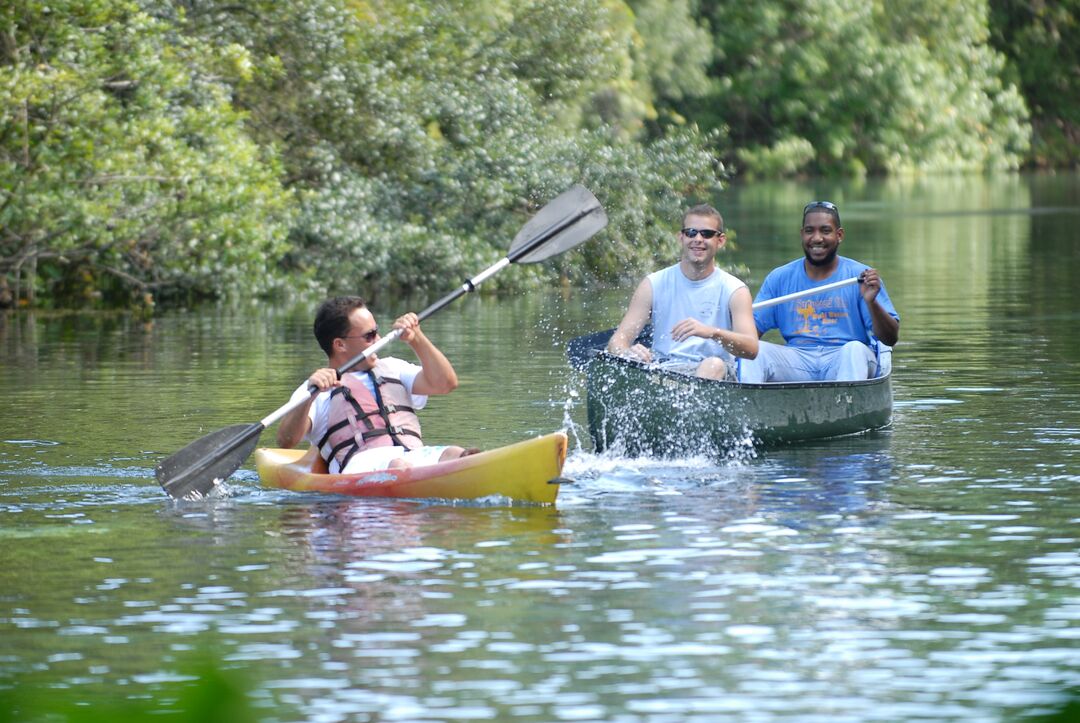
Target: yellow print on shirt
(820, 313)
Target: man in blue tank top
(830, 335)
(701, 316)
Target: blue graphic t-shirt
(832, 318)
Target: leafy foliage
(870, 87)
(125, 168)
(203, 691)
(431, 131)
(1042, 39)
(672, 55)
(209, 147)
(180, 149)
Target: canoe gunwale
(681, 376)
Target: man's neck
(694, 272)
(820, 273)
(339, 361)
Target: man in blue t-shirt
(829, 335)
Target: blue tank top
(675, 297)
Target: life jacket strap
(375, 382)
(394, 431)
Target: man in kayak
(829, 336)
(367, 419)
(701, 315)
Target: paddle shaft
(806, 292)
(469, 285)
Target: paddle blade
(566, 221)
(581, 349)
(193, 472)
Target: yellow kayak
(526, 471)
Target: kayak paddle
(568, 220)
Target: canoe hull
(527, 472)
(641, 410)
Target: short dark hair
(823, 206)
(704, 209)
(332, 319)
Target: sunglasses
(827, 205)
(706, 233)
(368, 336)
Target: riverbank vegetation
(175, 150)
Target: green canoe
(641, 410)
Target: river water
(928, 571)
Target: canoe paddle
(807, 292)
(568, 220)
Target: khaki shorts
(731, 374)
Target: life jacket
(358, 420)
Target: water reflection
(837, 484)
(924, 572)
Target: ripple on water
(927, 404)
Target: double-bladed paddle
(566, 221)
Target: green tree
(125, 170)
(1042, 39)
(191, 148)
(853, 87)
(420, 136)
(672, 55)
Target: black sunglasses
(827, 205)
(706, 233)
(366, 336)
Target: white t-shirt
(319, 412)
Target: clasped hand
(690, 327)
(869, 284)
(409, 324)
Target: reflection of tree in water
(409, 584)
(390, 552)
